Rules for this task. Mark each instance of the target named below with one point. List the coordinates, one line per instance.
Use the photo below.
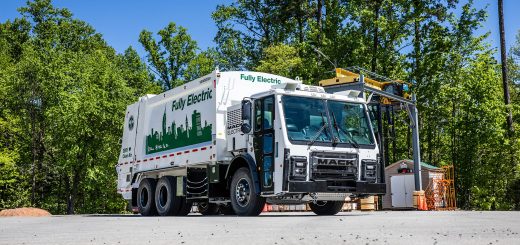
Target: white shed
(400, 183)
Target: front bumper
(358, 187)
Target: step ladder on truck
(229, 142)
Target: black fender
(237, 162)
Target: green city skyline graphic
(173, 136)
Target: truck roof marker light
(194, 150)
(203, 148)
(350, 93)
(165, 156)
(145, 160)
(179, 153)
(290, 85)
(138, 161)
(214, 83)
(157, 157)
(151, 159)
(186, 151)
(173, 154)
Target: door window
(268, 113)
(258, 115)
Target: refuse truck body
(230, 142)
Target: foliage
(204, 63)
(65, 96)
(64, 90)
(171, 54)
(428, 42)
(281, 59)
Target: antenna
(324, 56)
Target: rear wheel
(146, 197)
(326, 207)
(206, 208)
(244, 199)
(165, 200)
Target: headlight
(369, 170)
(298, 168)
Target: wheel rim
(163, 196)
(242, 192)
(321, 203)
(144, 197)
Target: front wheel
(326, 207)
(244, 199)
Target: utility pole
(503, 57)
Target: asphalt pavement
(384, 227)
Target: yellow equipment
(394, 87)
(382, 92)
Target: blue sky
(121, 21)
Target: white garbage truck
(230, 142)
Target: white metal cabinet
(402, 187)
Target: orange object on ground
(27, 212)
(422, 204)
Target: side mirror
(246, 116)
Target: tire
(146, 197)
(244, 200)
(227, 209)
(166, 202)
(206, 208)
(326, 207)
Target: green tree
(204, 63)
(64, 97)
(136, 73)
(281, 59)
(169, 57)
(245, 28)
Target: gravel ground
(392, 227)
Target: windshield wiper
(353, 142)
(315, 137)
(338, 128)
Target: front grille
(334, 166)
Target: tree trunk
(33, 153)
(503, 57)
(376, 36)
(318, 20)
(73, 192)
(299, 19)
(416, 41)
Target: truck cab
(308, 146)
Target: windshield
(306, 119)
(351, 122)
(309, 119)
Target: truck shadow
(196, 215)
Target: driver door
(264, 141)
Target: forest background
(64, 89)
